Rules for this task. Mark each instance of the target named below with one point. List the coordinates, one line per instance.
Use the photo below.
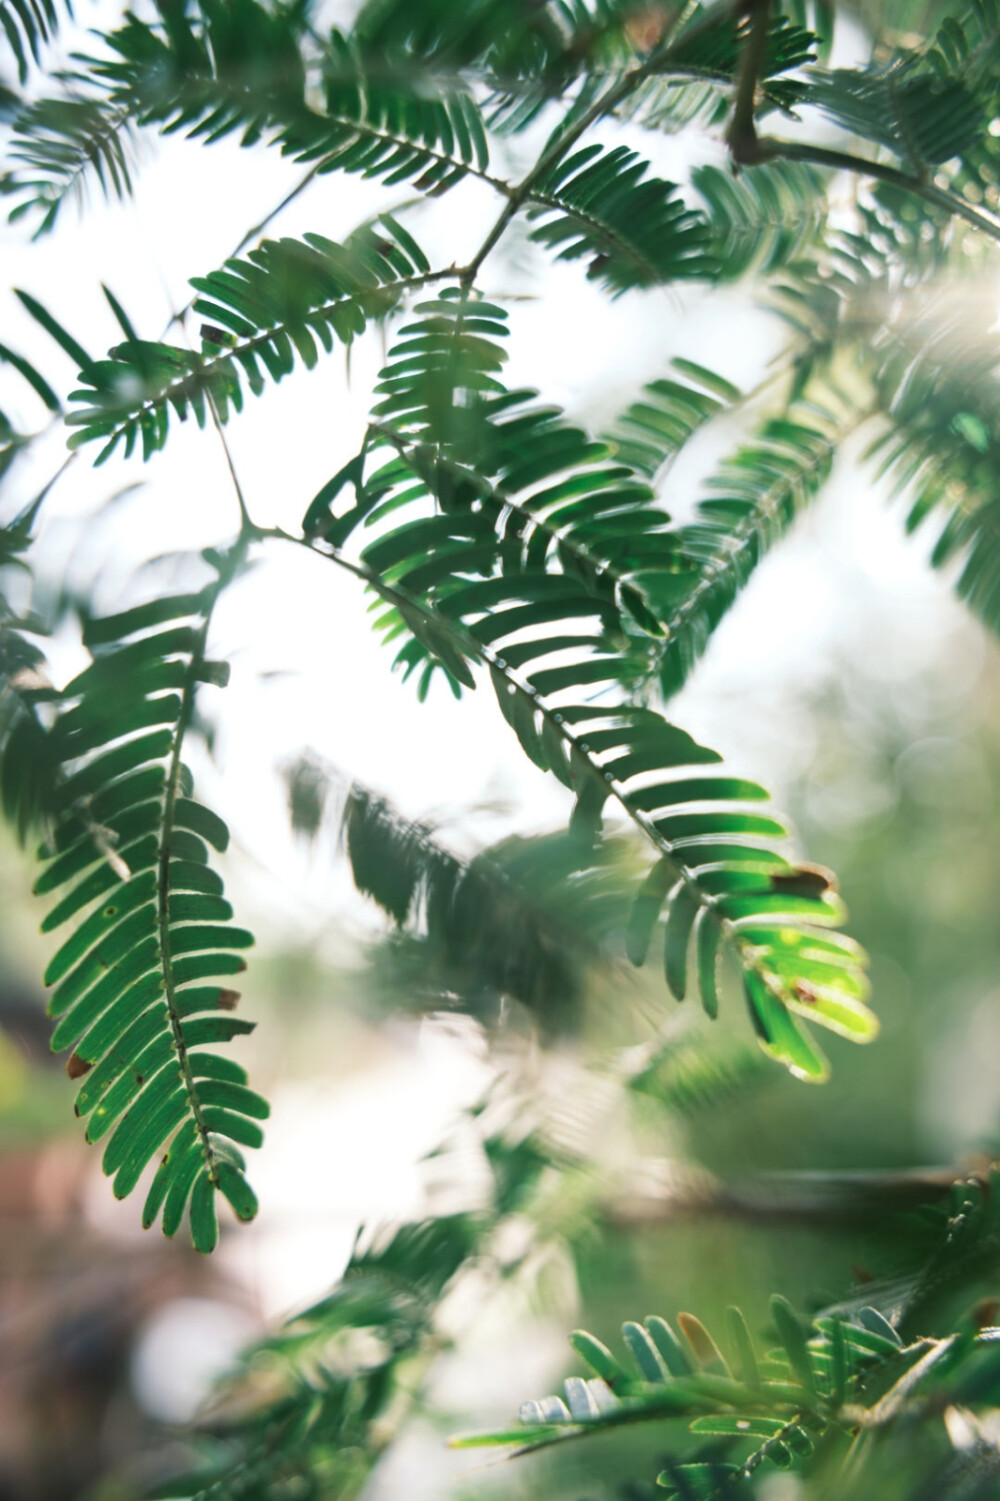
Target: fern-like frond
(848, 1373)
(345, 106)
(58, 144)
(543, 574)
(936, 384)
(752, 500)
(288, 299)
(655, 427)
(635, 230)
(27, 25)
(777, 1403)
(768, 216)
(136, 985)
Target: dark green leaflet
(129, 843)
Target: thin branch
(845, 161)
(247, 527)
(741, 137)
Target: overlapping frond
(764, 218)
(536, 575)
(636, 230)
(752, 500)
(27, 25)
(514, 481)
(58, 145)
(140, 985)
(288, 299)
(524, 919)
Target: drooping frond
(27, 25)
(57, 146)
(485, 578)
(287, 299)
(635, 230)
(474, 580)
(137, 990)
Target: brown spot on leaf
(805, 880)
(862, 1275)
(706, 1351)
(646, 26)
(213, 335)
(76, 1066)
(229, 1000)
(984, 1315)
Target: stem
(170, 794)
(741, 137)
(247, 527)
(607, 102)
(845, 161)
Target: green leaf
(792, 1336)
(148, 923)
